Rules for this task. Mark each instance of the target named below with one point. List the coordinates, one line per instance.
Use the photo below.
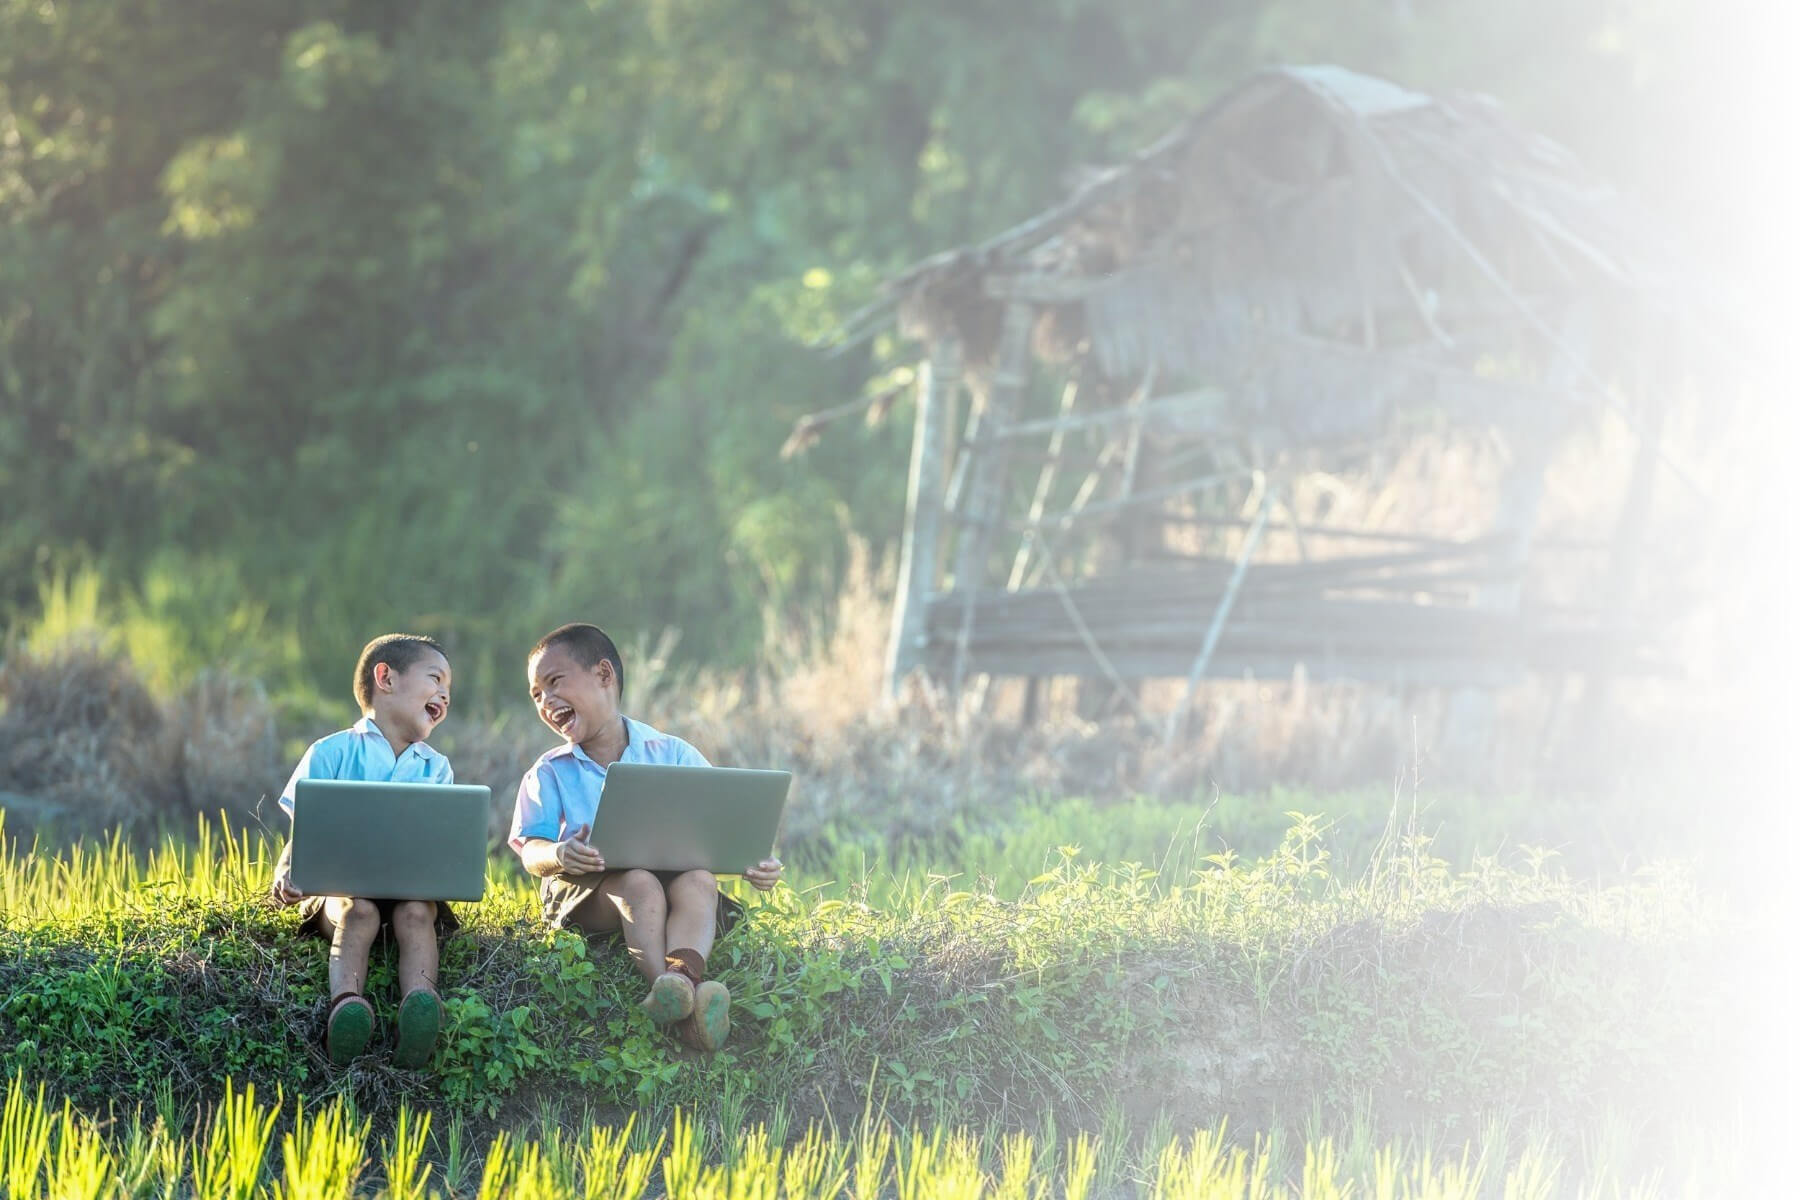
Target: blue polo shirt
(561, 791)
(362, 752)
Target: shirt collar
(569, 750)
(573, 749)
(366, 726)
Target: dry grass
(86, 748)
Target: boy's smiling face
(577, 702)
(409, 704)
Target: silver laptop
(720, 819)
(390, 841)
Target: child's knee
(639, 885)
(698, 886)
(357, 915)
(414, 916)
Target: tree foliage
(471, 318)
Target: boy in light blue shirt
(667, 918)
(402, 685)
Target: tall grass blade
(84, 1168)
(228, 1165)
(323, 1155)
(499, 1170)
(1081, 1161)
(403, 1162)
(874, 1150)
(815, 1167)
(24, 1137)
(611, 1169)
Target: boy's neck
(396, 743)
(609, 744)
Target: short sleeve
(687, 756)
(319, 762)
(536, 812)
(441, 771)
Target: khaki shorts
(312, 917)
(563, 894)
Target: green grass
(1000, 848)
(249, 1147)
(1414, 998)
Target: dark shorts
(563, 894)
(312, 917)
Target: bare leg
(633, 903)
(693, 920)
(421, 1014)
(415, 931)
(693, 911)
(352, 925)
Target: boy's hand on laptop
(283, 889)
(576, 857)
(765, 874)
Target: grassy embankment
(1401, 1020)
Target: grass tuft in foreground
(327, 1152)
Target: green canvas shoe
(416, 1028)
(671, 998)
(348, 1028)
(710, 1024)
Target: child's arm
(540, 835)
(571, 856)
(317, 763)
(282, 888)
(765, 874)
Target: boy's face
(410, 703)
(576, 701)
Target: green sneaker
(671, 998)
(710, 1023)
(348, 1028)
(421, 1015)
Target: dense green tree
(475, 317)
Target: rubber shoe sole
(347, 1030)
(416, 1028)
(671, 998)
(712, 1015)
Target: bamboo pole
(1088, 512)
(987, 475)
(1113, 553)
(1208, 403)
(924, 510)
(1220, 616)
(1040, 495)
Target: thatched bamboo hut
(1318, 263)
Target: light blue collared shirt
(362, 752)
(561, 791)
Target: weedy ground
(1476, 1029)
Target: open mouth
(435, 711)
(562, 718)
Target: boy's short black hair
(587, 643)
(399, 651)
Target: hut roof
(1324, 245)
